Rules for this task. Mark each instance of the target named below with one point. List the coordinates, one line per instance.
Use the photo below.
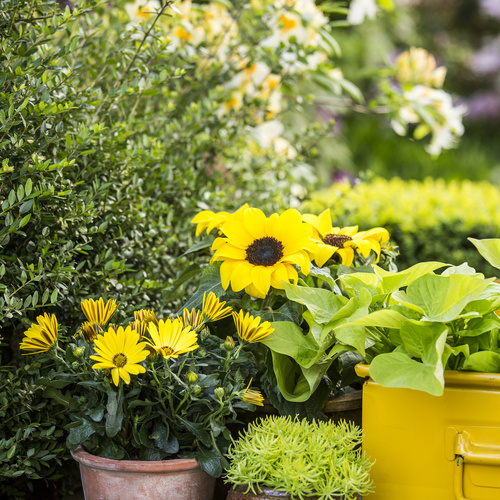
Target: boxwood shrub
(428, 220)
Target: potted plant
(425, 334)
(149, 401)
(281, 457)
(257, 262)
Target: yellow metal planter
(434, 448)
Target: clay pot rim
(139, 466)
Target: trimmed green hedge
(428, 220)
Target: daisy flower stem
(159, 389)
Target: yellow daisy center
(166, 350)
(336, 240)
(265, 251)
(120, 360)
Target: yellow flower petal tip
(251, 329)
(41, 336)
(213, 309)
(97, 312)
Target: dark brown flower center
(336, 240)
(120, 360)
(265, 251)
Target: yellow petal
(261, 278)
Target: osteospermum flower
(258, 253)
(171, 338)
(97, 312)
(194, 318)
(252, 396)
(343, 241)
(90, 330)
(213, 309)
(146, 316)
(251, 329)
(121, 352)
(41, 336)
(208, 220)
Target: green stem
(159, 389)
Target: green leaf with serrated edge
(442, 298)
(489, 249)
(288, 339)
(397, 370)
(483, 361)
(322, 304)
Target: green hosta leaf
(322, 304)
(442, 298)
(398, 370)
(289, 340)
(489, 249)
(484, 361)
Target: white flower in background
(141, 10)
(361, 9)
(268, 135)
(433, 111)
(417, 66)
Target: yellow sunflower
(343, 241)
(121, 352)
(98, 313)
(209, 220)
(171, 338)
(42, 336)
(259, 252)
(252, 396)
(213, 309)
(251, 329)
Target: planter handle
(468, 452)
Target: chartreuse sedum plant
(318, 459)
(150, 389)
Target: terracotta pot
(179, 479)
(267, 494)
